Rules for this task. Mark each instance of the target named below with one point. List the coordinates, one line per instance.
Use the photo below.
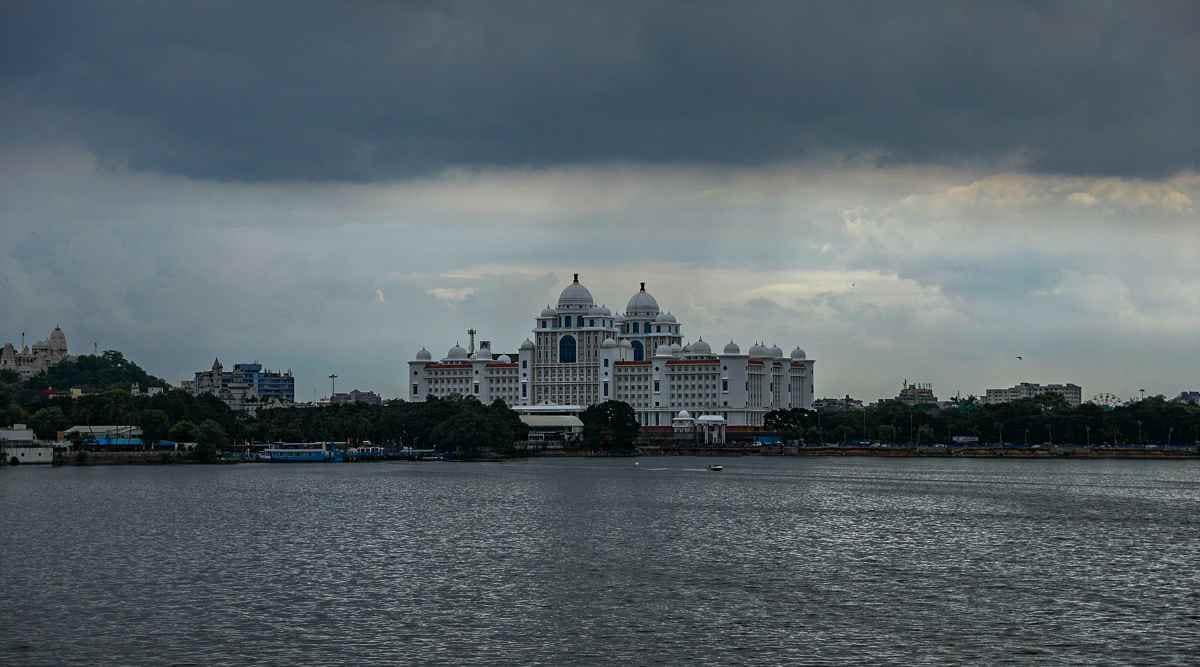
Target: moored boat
(712, 467)
(301, 452)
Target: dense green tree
(211, 433)
(155, 425)
(47, 422)
(210, 440)
(184, 431)
(610, 426)
(792, 424)
(475, 429)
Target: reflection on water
(591, 561)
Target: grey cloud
(364, 91)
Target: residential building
(244, 389)
(1071, 393)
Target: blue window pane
(566, 350)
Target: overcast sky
(905, 190)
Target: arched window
(566, 350)
(635, 328)
(639, 353)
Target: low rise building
(829, 405)
(356, 396)
(917, 393)
(1189, 397)
(1071, 393)
(19, 446)
(103, 434)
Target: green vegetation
(456, 426)
(610, 426)
(1044, 420)
(110, 369)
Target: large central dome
(575, 296)
(642, 304)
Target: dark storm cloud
(369, 90)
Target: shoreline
(1070, 453)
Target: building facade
(916, 393)
(356, 396)
(28, 361)
(244, 388)
(581, 354)
(1071, 393)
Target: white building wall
(737, 387)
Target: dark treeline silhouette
(457, 425)
(1047, 419)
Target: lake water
(588, 561)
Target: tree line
(455, 425)
(1046, 419)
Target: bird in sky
(1020, 357)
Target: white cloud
(451, 293)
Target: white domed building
(582, 353)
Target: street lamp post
(1139, 422)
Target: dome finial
(576, 277)
(643, 286)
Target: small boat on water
(302, 452)
(712, 467)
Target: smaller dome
(776, 352)
(665, 317)
(732, 348)
(798, 353)
(423, 355)
(456, 352)
(608, 343)
(641, 303)
(548, 312)
(603, 310)
(683, 414)
(527, 345)
(701, 347)
(663, 350)
(760, 350)
(575, 296)
(504, 359)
